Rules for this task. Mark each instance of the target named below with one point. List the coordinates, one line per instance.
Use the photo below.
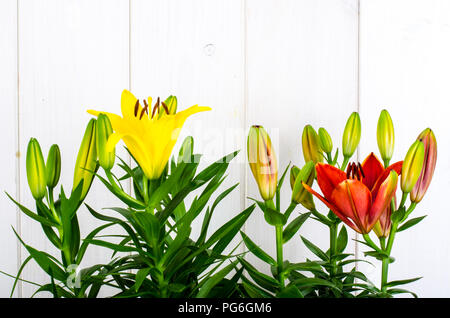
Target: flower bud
(383, 227)
(299, 194)
(262, 161)
(352, 134)
(412, 166)
(36, 169)
(53, 166)
(325, 141)
(385, 136)
(293, 175)
(429, 163)
(86, 163)
(171, 103)
(103, 131)
(310, 145)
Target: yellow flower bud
(86, 163)
(352, 134)
(310, 145)
(412, 166)
(36, 169)
(104, 130)
(385, 136)
(53, 166)
(262, 161)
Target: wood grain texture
(8, 144)
(73, 57)
(194, 50)
(302, 69)
(405, 68)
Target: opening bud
(299, 194)
(262, 161)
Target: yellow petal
(127, 104)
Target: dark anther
(361, 170)
(155, 108)
(349, 170)
(136, 108)
(165, 107)
(146, 106)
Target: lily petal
(328, 177)
(353, 198)
(383, 198)
(397, 167)
(372, 169)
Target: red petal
(397, 167)
(353, 198)
(372, 169)
(383, 198)
(332, 207)
(328, 177)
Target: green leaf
(290, 291)
(274, 217)
(342, 240)
(402, 282)
(33, 215)
(45, 261)
(114, 247)
(294, 226)
(398, 215)
(316, 250)
(140, 277)
(257, 251)
(394, 291)
(214, 280)
(309, 281)
(261, 279)
(410, 223)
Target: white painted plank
(405, 68)
(302, 69)
(194, 50)
(8, 144)
(73, 56)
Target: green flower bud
(325, 141)
(412, 166)
(262, 161)
(171, 103)
(36, 169)
(86, 163)
(299, 194)
(53, 166)
(310, 145)
(385, 136)
(351, 136)
(103, 131)
(294, 173)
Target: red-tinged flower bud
(262, 161)
(383, 227)
(36, 170)
(352, 135)
(385, 136)
(429, 164)
(305, 176)
(53, 166)
(412, 166)
(325, 141)
(293, 175)
(310, 145)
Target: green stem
(372, 244)
(386, 163)
(145, 188)
(333, 246)
(402, 202)
(279, 241)
(321, 217)
(329, 158)
(289, 210)
(344, 164)
(385, 266)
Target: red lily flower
(360, 196)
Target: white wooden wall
(281, 64)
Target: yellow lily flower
(150, 137)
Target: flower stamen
(136, 108)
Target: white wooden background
(281, 64)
